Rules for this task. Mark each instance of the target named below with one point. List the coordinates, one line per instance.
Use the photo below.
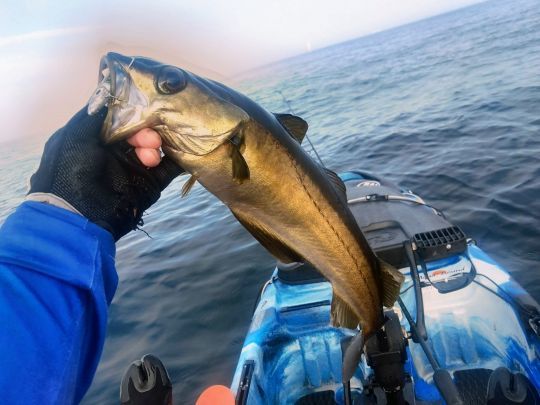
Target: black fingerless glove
(105, 183)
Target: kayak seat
(495, 387)
(328, 398)
(318, 398)
(472, 385)
(298, 273)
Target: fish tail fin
(391, 283)
(341, 314)
(352, 356)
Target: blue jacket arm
(57, 278)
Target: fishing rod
(291, 111)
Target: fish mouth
(116, 91)
(114, 70)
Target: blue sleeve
(57, 278)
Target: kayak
(462, 332)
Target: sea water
(448, 107)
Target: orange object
(216, 395)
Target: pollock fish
(254, 163)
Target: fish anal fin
(186, 188)
(391, 281)
(276, 247)
(336, 181)
(295, 126)
(341, 314)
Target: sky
(50, 50)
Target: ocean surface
(448, 107)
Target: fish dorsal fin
(341, 314)
(240, 169)
(276, 247)
(391, 283)
(186, 188)
(294, 125)
(336, 181)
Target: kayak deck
(473, 328)
(296, 352)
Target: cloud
(41, 35)
(49, 72)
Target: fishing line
(291, 111)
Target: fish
(253, 161)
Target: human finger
(148, 156)
(145, 138)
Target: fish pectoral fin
(240, 169)
(294, 125)
(391, 283)
(276, 247)
(336, 181)
(341, 314)
(186, 188)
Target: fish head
(143, 93)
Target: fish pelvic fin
(276, 247)
(240, 169)
(295, 126)
(188, 185)
(391, 281)
(341, 314)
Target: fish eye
(171, 80)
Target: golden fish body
(290, 207)
(253, 162)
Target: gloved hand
(105, 183)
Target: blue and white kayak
(460, 315)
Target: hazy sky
(50, 50)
